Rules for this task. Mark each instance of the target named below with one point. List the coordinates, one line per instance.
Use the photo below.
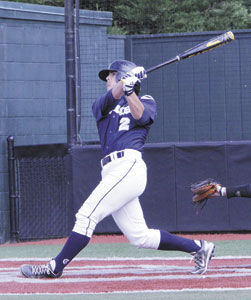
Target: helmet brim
(104, 73)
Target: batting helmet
(121, 67)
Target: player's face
(111, 80)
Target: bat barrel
(200, 48)
(208, 45)
(230, 35)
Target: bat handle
(168, 62)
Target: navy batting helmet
(121, 67)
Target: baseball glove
(204, 190)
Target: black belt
(109, 158)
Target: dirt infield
(124, 275)
(128, 274)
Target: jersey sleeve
(239, 191)
(103, 105)
(150, 110)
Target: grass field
(186, 295)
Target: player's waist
(129, 153)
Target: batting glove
(128, 82)
(139, 72)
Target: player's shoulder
(147, 98)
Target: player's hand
(220, 190)
(139, 72)
(128, 81)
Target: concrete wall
(32, 78)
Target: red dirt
(94, 287)
(102, 280)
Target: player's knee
(149, 239)
(84, 225)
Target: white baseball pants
(123, 181)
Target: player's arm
(126, 85)
(237, 191)
(136, 107)
(234, 191)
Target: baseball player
(123, 121)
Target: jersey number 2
(124, 124)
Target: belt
(111, 157)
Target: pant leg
(131, 221)
(122, 181)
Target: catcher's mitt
(203, 190)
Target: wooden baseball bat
(200, 48)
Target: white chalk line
(123, 278)
(13, 274)
(137, 272)
(115, 258)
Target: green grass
(225, 295)
(223, 248)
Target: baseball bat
(200, 48)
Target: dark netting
(43, 188)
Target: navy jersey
(117, 128)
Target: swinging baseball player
(123, 120)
